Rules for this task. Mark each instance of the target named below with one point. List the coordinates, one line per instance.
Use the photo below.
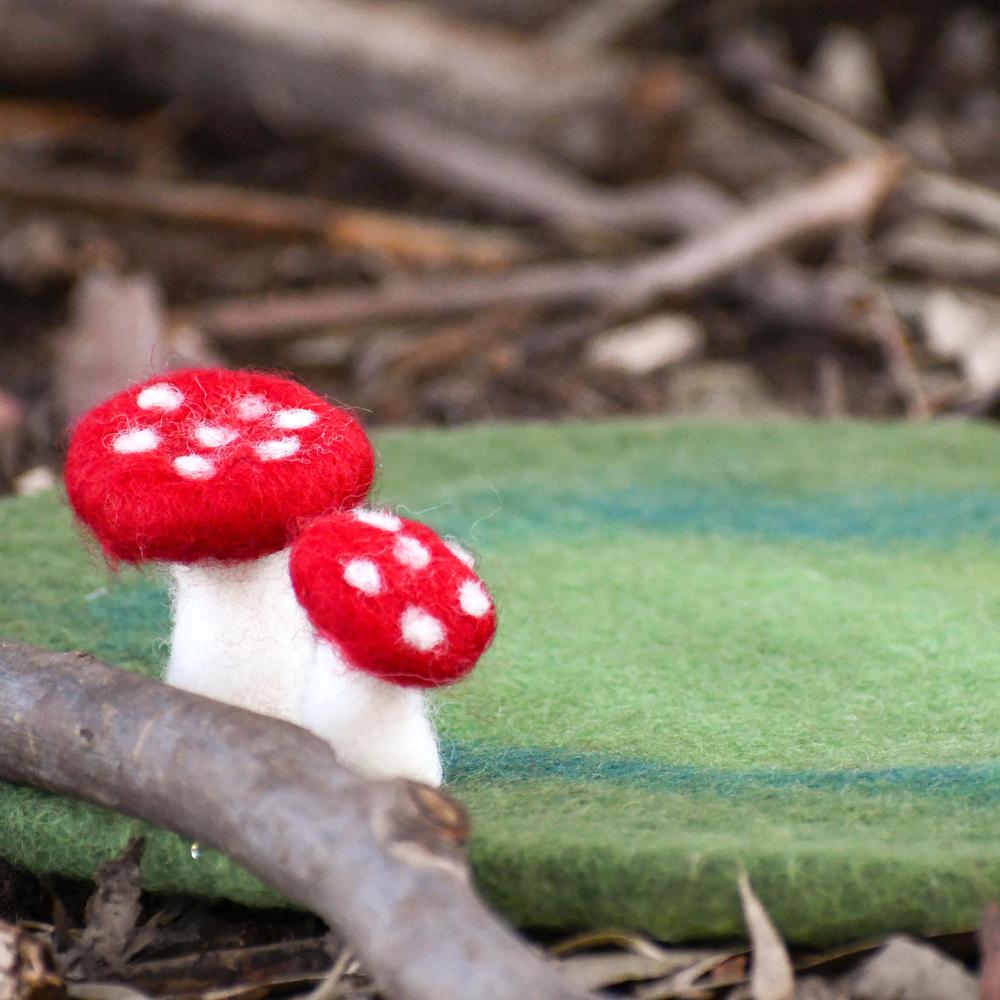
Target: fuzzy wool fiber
(212, 464)
(396, 607)
(774, 647)
(395, 600)
(239, 635)
(379, 729)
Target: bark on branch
(381, 861)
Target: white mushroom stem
(240, 635)
(378, 729)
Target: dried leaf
(595, 972)
(112, 913)
(683, 983)
(734, 967)
(115, 338)
(626, 940)
(772, 977)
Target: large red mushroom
(213, 472)
(398, 610)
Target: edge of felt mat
(688, 899)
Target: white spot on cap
(132, 442)
(270, 451)
(293, 420)
(411, 552)
(194, 467)
(214, 437)
(461, 553)
(473, 598)
(159, 397)
(251, 407)
(378, 519)
(421, 630)
(363, 575)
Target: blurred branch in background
(464, 209)
(335, 63)
(591, 25)
(846, 195)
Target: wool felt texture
(391, 595)
(239, 634)
(212, 464)
(766, 647)
(378, 728)
(393, 600)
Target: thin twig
(513, 181)
(225, 965)
(845, 195)
(929, 189)
(960, 199)
(405, 237)
(329, 987)
(819, 121)
(895, 342)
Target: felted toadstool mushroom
(213, 471)
(400, 609)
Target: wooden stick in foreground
(845, 195)
(381, 861)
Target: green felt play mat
(775, 647)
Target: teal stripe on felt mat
(776, 647)
(972, 784)
(875, 516)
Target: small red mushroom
(214, 471)
(400, 609)
(395, 598)
(212, 464)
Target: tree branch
(845, 195)
(381, 861)
(406, 237)
(514, 181)
(334, 63)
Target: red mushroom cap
(212, 464)
(396, 600)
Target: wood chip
(647, 345)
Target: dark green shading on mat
(771, 647)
